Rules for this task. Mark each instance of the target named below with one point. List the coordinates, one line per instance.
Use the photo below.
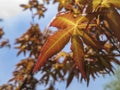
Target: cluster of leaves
(76, 6)
(30, 42)
(3, 42)
(93, 33)
(6, 87)
(23, 77)
(35, 5)
(92, 28)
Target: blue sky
(15, 24)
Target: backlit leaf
(115, 3)
(62, 22)
(58, 40)
(114, 24)
(76, 29)
(70, 77)
(78, 54)
(95, 4)
(89, 40)
(54, 44)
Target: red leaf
(113, 19)
(54, 44)
(78, 54)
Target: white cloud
(10, 8)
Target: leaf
(70, 77)
(78, 54)
(26, 6)
(95, 4)
(66, 24)
(58, 40)
(67, 20)
(115, 3)
(61, 22)
(54, 44)
(113, 19)
(59, 55)
(1, 32)
(89, 40)
(62, 4)
(105, 63)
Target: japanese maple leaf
(68, 27)
(105, 3)
(113, 24)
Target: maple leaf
(110, 3)
(113, 24)
(68, 27)
(96, 4)
(66, 4)
(53, 45)
(78, 53)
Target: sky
(10, 8)
(15, 24)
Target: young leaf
(78, 54)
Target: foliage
(91, 27)
(3, 42)
(115, 83)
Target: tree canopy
(93, 31)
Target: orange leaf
(67, 25)
(64, 20)
(54, 44)
(78, 54)
(58, 40)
